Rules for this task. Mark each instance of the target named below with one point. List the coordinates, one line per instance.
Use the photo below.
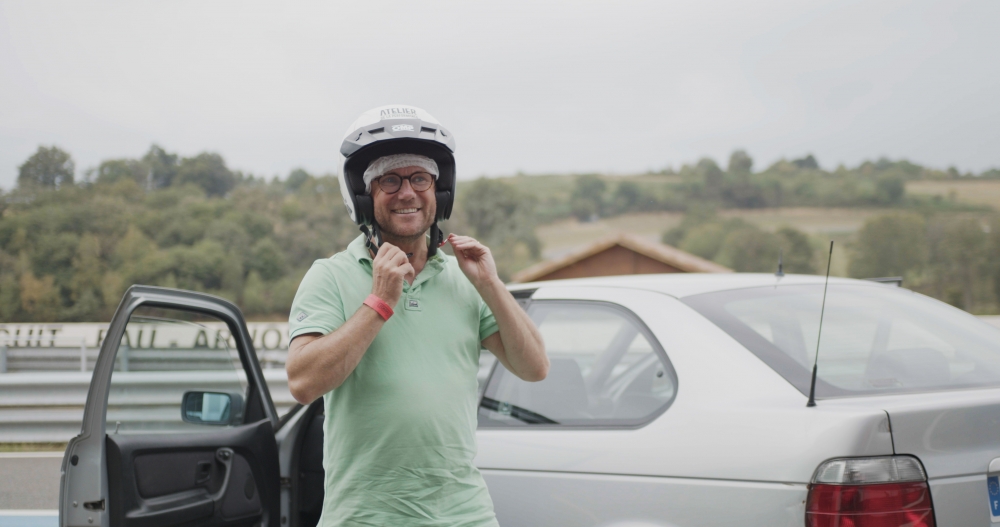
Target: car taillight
(888, 491)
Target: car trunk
(955, 435)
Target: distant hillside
(70, 245)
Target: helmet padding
(385, 164)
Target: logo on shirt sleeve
(301, 316)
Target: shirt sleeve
(317, 307)
(487, 322)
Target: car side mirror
(212, 408)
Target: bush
(161, 220)
(587, 200)
(740, 245)
(890, 245)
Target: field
(985, 192)
(563, 236)
(822, 224)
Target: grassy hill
(70, 246)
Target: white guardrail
(47, 407)
(45, 372)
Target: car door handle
(203, 472)
(225, 456)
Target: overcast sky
(537, 86)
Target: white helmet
(388, 130)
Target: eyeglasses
(419, 182)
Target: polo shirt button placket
(412, 302)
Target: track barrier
(44, 380)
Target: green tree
(890, 245)
(740, 245)
(710, 171)
(198, 267)
(88, 274)
(696, 215)
(47, 167)
(162, 166)
(704, 182)
(39, 295)
(115, 170)
(267, 259)
(231, 277)
(993, 256)
(296, 179)
(890, 188)
(230, 233)
(627, 197)
(70, 254)
(796, 253)
(740, 162)
(705, 240)
(503, 218)
(587, 200)
(958, 253)
(81, 247)
(137, 260)
(809, 163)
(750, 249)
(208, 171)
(10, 293)
(52, 255)
(10, 297)
(255, 295)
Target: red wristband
(379, 306)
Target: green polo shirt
(399, 434)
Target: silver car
(671, 400)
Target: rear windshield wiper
(516, 412)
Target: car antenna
(781, 272)
(819, 333)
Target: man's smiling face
(405, 214)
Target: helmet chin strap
(436, 240)
(373, 238)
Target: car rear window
(605, 370)
(876, 338)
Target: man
(389, 332)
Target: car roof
(687, 284)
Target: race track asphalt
(29, 489)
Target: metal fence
(48, 406)
(44, 384)
(43, 389)
(73, 354)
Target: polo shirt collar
(358, 250)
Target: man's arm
(518, 344)
(317, 364)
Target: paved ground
(29, 481)
(28, 519)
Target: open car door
(179, 425)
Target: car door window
(606, 369)
(165, 354)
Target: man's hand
(475, 260)
(517, 345)
(389, 268)
(318, 363)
